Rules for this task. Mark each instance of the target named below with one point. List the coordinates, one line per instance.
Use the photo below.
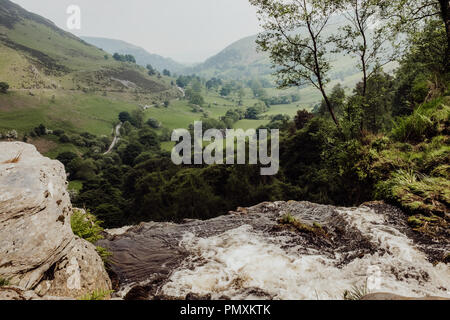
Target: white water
(238, 260)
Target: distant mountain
(241, 60)
(37, 54)
(142, 56)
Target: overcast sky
(185, 30)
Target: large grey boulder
(38, 249)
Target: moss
(356, 293)
(97, 295)
(3, 282)
(289, 220)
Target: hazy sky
(185, 30)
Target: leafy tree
(196, 99)
(166, 73)
(151, 70)
(153, 123)
(225, 91)
(137, 118)
(405, 15)
(66, 157)
(4, 87)
(336, 99)
(299, 57)
(302, 118)
(124, 116)
(364, 39)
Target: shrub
(356, 293)
(413, 128)
(86, 226)
(153, 123)
(4, 87)
(3, 282)
(97, 295)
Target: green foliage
(86, 226)
(4, 87)
(124, 57)
(3, 282)
(97, 295)
(124, 116)
(356, 293)
(104, 254)
(291, 221)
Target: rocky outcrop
(38, 250)
(282, 250)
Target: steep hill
(58, 79)
(142, 56)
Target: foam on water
(243, 263)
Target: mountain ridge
(143, 57)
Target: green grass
(73, 112)
(250, 124)
(75, 185)
(167, 145)
(3, 282)
(97, 295)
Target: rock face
(38, 250)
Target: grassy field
(70, 111)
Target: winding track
(116, 138)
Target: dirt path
(116, 138)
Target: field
(71, 111)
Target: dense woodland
(386, 139)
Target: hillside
(142, 56)
(241, 60)
(58, 79)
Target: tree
(124, 116)
(197, 99)
(302, 118)
(153, 123)
(166, 73)
(293, 35)
(363, 38)
(336, 99)
(411, 15)
(4, 87)
(151, 70)
(137, 118)
(66, 157)
(225, 91)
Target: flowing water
(248, 255)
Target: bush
(64, 138)
(86, 226)
(97, 295)
(153, 123)
(3, 282)
(4, 87)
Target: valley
(360, 114)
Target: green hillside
(61, 81)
